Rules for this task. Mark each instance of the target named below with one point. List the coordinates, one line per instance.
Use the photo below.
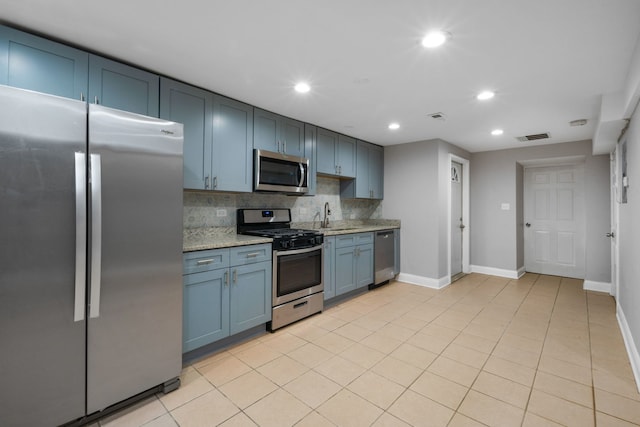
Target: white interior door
(457, 225)
(554, 221)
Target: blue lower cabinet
(345, 273)
(250, 298)
(329, 277)
(205, 308)
(226, 291)
(353, 262)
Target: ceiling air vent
(534, 137)
(438, 116)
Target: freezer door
(42, 331)
(135, 290)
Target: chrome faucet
(325, 220)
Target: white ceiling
(549, 61)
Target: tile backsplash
(209, 209)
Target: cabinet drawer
(198, 261)
(345, 240)
(251, 254)
(364, 238)
(354, 239)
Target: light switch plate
(221, 212)
(505, 206)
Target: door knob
(612, 234)
(528, 224)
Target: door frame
(465, 213)
(615, 173)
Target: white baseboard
(632, 349)
(511, 274)
(521, 272)
(423, 281)
(590, 285)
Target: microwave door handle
(301, 174)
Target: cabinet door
(326, 152)
(265, 130)
(250, 298)
(205, 308)
(121, 86)
(362, 183)
(376, 171)
(364, 265)
(193, 107)
(329, 272)
(345, 274)
(346, 155)
(34, 63)
(310, 152)
(291, 137)
(232, 145)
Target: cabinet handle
(253, 254)
(206, 182)
(205, 261)
(340, 170)
(81, 96)
(235, 276)
(278, 146)
(95, 100)
(284, 146)
(226, 278)
(215, 182)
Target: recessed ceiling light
(484, 95)
(302, 87)
(435, 39)
(497, 132)
(394, 126)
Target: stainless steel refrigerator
(90, 257)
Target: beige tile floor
(538, 351)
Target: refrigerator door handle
(96, 234)
(81, 237)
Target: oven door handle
(298, 251)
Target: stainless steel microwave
(280, 172)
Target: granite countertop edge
(198, 239)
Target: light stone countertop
(197, 239)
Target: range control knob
(285, 244)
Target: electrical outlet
(221, 212)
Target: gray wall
(629, 235)
(496, 178)
(417, 176)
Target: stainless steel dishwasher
(385, 256)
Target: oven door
(297, 273)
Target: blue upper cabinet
(336, 154)
(326, 152)
(273, 132)
(232, 153)
(193, 107)
(310, 152)
(121, 86)
(34, 63)
(369, 173)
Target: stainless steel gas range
(298, 282)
